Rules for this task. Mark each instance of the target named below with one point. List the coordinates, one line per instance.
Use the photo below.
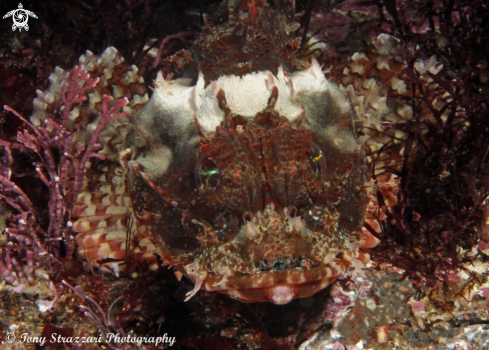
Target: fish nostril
(247, 217)
(292, 212)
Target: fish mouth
(278, 287)
(281, 259)
(275, 257)
(280, 264)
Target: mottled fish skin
(251, 179)
(102, 218)
(250, 175)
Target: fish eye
(207, 174)
(317, 162)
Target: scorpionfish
(248, 174)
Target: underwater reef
(132, 202)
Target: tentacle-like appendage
(273, 98)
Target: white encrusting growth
(174, 104)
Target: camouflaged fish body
(251, 179)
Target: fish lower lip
(278, 287)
